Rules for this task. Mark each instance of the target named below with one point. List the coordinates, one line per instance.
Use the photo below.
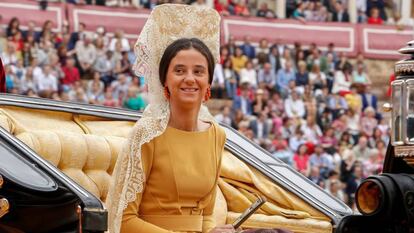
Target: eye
(199, 71)
(179, 71)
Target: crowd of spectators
(77, 66)
(312, 109)
(368, 11)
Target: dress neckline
(193, 132)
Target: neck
(184, 118)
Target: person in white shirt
(217, 86)
(294, 106)
(249, 75)
(46, 83)
(119, 36)
(86, 53)
(224, 115)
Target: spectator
(299, 12)
(321, 160)
(266, 76)
(334, 188)
(260, 128)
(379, 5)
(241, 9)
(134, 99)
(282, 152)
(224, 115)
(247, 48)
(361, 150)
(302, 77)
(75, 36)
(120, 87)
(294, 106)
(13, 27)
(28, 82)
(119, 38)
(284, 76)
(351, 185)
(248, 75)
(243, 102)
(359, 77)
(368, 122)
(274, 58)
(296, 140)
(217, 86)
(361, 6)
(86, 55)
(301, 160)
(340, 14)
(264, 11)
(311, 131)
(375, 17)
(71, 74)
(46, 83)
(238, 60)
(230, 79)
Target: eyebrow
(183, 66)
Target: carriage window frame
(409, 89)
(399, 104)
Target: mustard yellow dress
(181, 170)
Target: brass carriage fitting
(387, 107)
(4, 207)
(1, 181)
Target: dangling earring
(166, 93)
(208, 94)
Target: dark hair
(185, 44)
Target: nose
(189, 78)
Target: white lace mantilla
(166, 24)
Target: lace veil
(165, 24)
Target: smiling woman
(166, 178)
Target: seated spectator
(46, 83)
(241, 9)
(368, 122)
(134, 100)
(342, 82)
(260, 102)
(94, 93)
(353, 123)
(299, 12)
(217, 86)
(284, 76)
(119, 38)
(222, 7)
(86, 55)
(260, 128)
(373, 165)
(311, 131)
(302, 77)
(315, 176)
(317, 79)
(335, 189)
(71, 73)
(247, 48)
(238, 60)
(243, 102)
(9, 56)
(361, 150)
(360, 78)
(264, 11)
(354, 100)
(266, 76)
(321, 160)
(294, 106)
(282, 151)
(230, 79)
(375, 17)
(296, 140)
(109, 100)
(120, 87)
(336, 104)
(328, 141)
(340, 14)
(248, 75)
(274, 58)
(28, 82)
(301, 160)
(352, 184)
(224, 115)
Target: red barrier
(377, 42)
(30, 11)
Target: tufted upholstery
(85, 148)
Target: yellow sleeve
(208, 215)
(131, 223)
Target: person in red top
(2, 77)
(375, 17)
(301, 160)
(71, 72)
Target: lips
(189, 89)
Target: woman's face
(187, 78)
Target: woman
(166, 177)
(301, 160)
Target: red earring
(166, 93)
(208, 94)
